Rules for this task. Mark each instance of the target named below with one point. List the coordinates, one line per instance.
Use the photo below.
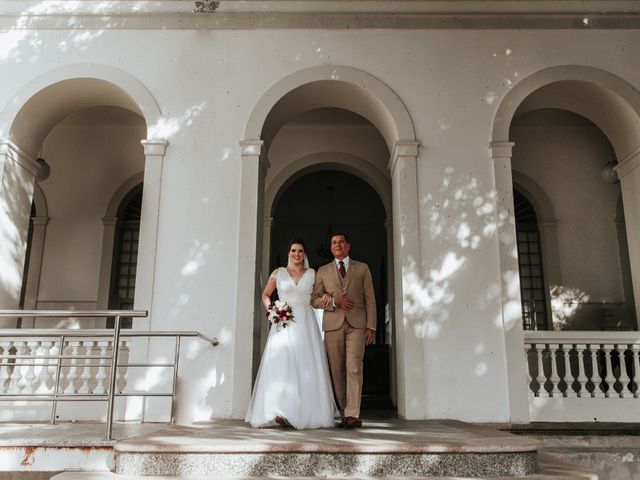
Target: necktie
(341, 269)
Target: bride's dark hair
(296, 240)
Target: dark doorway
(313, 207)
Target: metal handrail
(62, 334)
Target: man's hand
(343, 302)
(369, 336)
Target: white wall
(206, 84)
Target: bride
(293, 387)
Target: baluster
(55, 366)
(527, 350)
(540, 378)
(581, 351)
(596, 379)
(555, 378)
(610, 378)
(101, 374)
(569, 378)
(16, 382)
(29, 376)
(4, 366)
(123, 372)
(86, 371)
(624, 379)
(44, 372)
(635, 349)
(72, 374)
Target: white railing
(71, 365)
(583, 376)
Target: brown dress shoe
(351, 422)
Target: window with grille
(532, 285)
(125, 259)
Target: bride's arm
(268, 290)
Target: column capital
(403, 148)
(628, 164)
(155, 147)
(40, 220)
(254, 147)
(19, 156)
(501, 149)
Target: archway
(314, 206)
(333, 92)
(84, 94)
(610, 104)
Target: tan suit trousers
(345, 349)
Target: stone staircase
(381, 449)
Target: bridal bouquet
(280, 314)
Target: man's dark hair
(340, 234)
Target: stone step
(381, 448)
(550, 467)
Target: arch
(619, 118)
(536, 195)
(121, 192)
(112, 85)
(108, 236)
(348, 88)
(335, 161)
(318, 87)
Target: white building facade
(446, 110)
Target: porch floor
(33, 444)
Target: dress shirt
(345, 260)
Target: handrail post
(56, 385)
(112, 380)
(176, 360)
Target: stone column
(17, 179)
(625, 267)
(253, 169)
(550, 256)
(154, 150)
(407, 273)
(34, 268)
(510, 284)
(629, 175)
(267, 225)
(106, 261)
(393, 350)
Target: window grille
(532, 285)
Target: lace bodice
(291, 292)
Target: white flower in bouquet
(280, 314)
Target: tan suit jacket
(359, 287)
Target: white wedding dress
(293, 380)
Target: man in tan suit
(344, 290)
